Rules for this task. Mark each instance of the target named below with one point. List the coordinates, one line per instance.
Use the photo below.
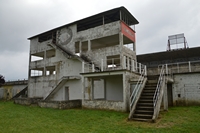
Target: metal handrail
(158, 87)
(137, 87)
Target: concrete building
(92, 59)
(92, 63)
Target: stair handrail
(159, 85)
(137, 87)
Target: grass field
(18, 118)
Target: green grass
(18, 118)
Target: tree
(2, 80)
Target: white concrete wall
(75, 91)
(8, 91)
(114, 88)
(186, 89)
(99, 89)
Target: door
(169, 93)
(67, 93)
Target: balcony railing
(113, 64)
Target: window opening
(113, 62)
(35, 73)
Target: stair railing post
(145, 69)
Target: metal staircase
(148, 104)
(144, 109)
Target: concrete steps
(144, 108)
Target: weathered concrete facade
(183, 67)
(92, 59)
(11, 88)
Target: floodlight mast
(176, 40)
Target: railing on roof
(181, 67)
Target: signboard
(127, 31)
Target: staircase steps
(144, 108)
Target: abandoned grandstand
(92, 63)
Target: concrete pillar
(133, 65)
(92, 67)
(83, 66)
(189, 66)
(128, 63)
(140, 68)
(165, 98)
(80, 47)
(136, 66)
(121, 42)
(124, 62)
(44, 59)
(89, 45)
(101, 64)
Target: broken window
(50, 53)
(113, 62)
(50, 70)
(35, 73)
(37, 56)
(84, 46)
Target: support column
(80, 47)
(83, 67)
(124, 62)
(45, 58)
(121, 40)
(128, 63)
(89, 45)
(133, 65)
(165, 98)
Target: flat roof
(132, 19)
(169, 55)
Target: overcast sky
(20, 19)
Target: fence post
(133, 65)
(92, 67)
(136, 66)
(140, 68)
(177, 67)
(189, 66)
(101, 64)
(128, 64)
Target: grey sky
(20, 19)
